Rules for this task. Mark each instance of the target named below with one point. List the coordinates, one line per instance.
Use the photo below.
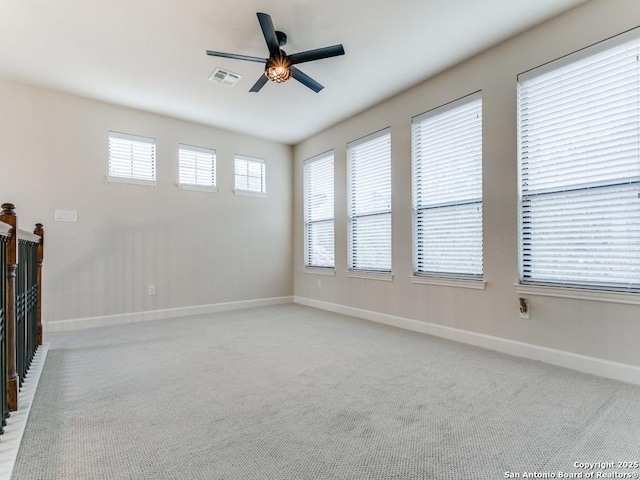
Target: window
(249, 175)
(579, 153)
(447, 190)
(318, 212)
(132, 158)
(369, 185)
(196, 167)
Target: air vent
(225, 77)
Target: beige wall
(197, 248)
(603, 330)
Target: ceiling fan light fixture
(278, 69)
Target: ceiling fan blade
(259, 84)
(236, 57)
(306, 80)
(269, 33)
(317, 54)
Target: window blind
(132, 157)
(579, 152)
(196, 166)
(319, 212)
(369, 182)
(447, 189)
(249, 174)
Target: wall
(197, 248)
(595, 329)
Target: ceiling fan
(279, 67)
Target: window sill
(197, 188)
(385, 277)
(578, 293)
(320, 271)
(247, 193)
(132, 181)
(449, 282)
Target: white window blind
(196, 166)
(369, 182)
(249, 174)
(579, 154)
(447, 189)
(132, 157)
(319, 212)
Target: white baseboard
(119, 319)
(574, 361)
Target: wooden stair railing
(5, 234)
(21, 257)
(8, 216)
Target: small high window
(196, 167)
(132, 158)
(249, 175)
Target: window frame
(439, 118)
(330, 158)
(263, 176)
(568, 288)
(353, 217)
(196, 150)
(132, 140)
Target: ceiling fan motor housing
(282, 38)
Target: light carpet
(291, 392)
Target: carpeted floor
(290, 392)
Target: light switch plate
(66, 216)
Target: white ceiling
(150, 54)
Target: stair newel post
(9, 217)
(40, 232)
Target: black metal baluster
(20, 313)
(31, 317)
(26, 307)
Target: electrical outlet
(152, 289)
(319, 282)
(524, 308)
